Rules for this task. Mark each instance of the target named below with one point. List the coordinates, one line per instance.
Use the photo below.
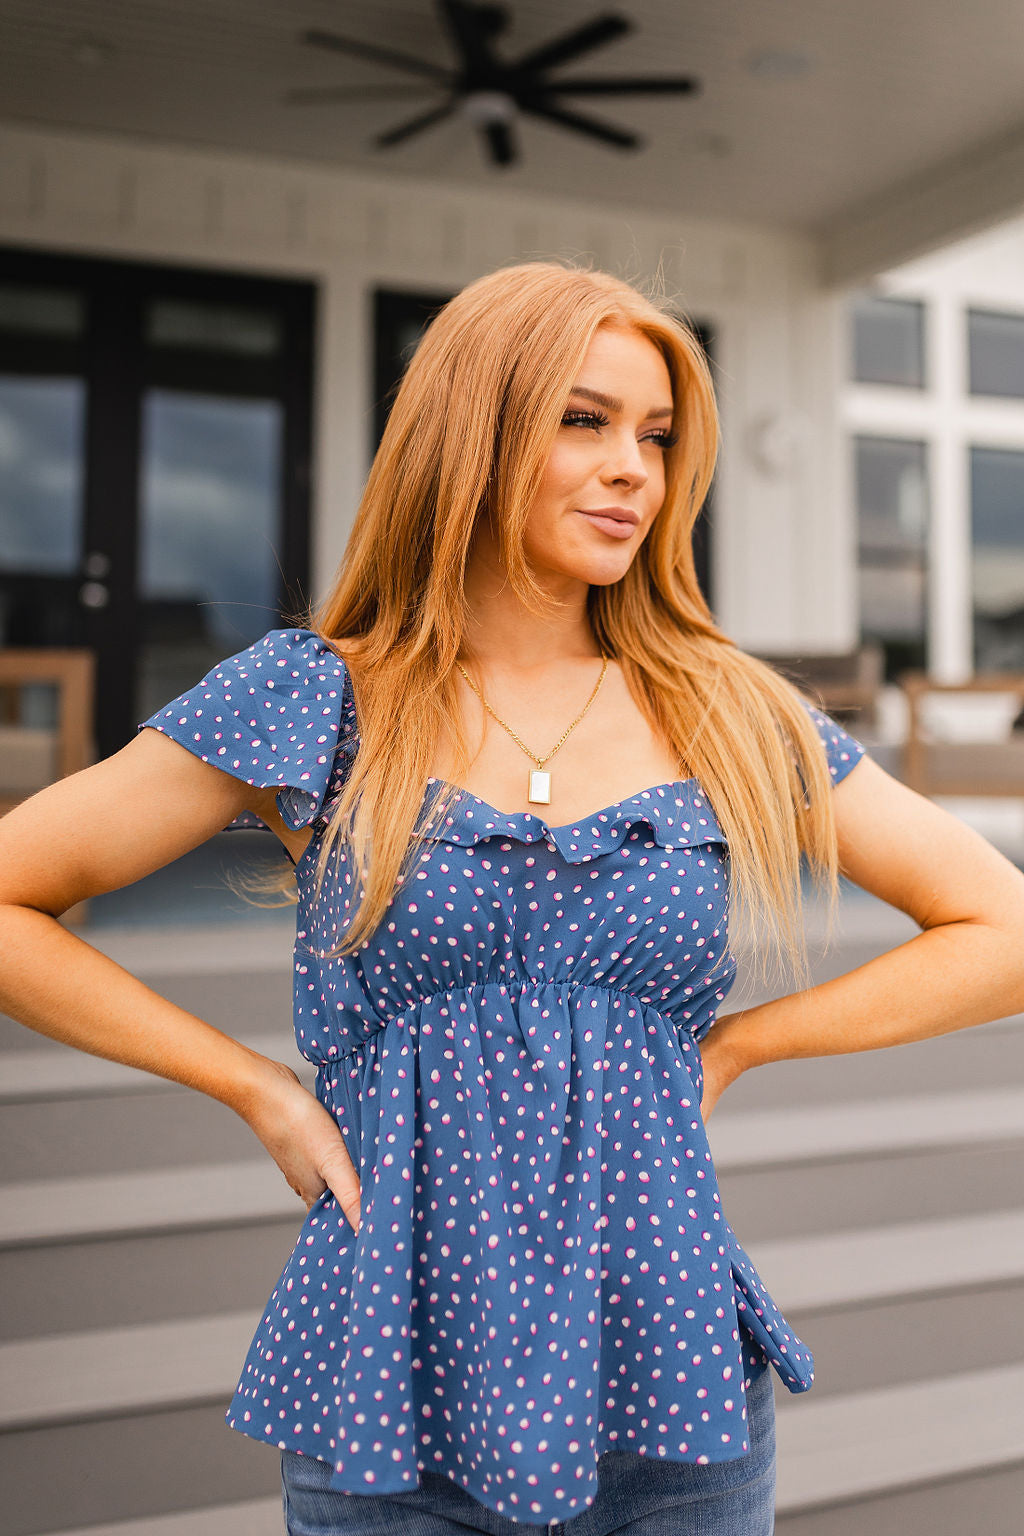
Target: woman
(524, 779)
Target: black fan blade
(414, 125)
(501, 143)
(603, 29)
(608, 133)
(377, 55)
(312, 95)
(472, 27)
(643, 86)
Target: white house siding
(784, 559)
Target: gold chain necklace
(540, 782)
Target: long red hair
(470, 431)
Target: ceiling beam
(956, 198)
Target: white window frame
(951, 422)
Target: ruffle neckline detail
(676, 814)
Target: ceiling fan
(490, 91)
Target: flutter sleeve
(843, 751)
(275, 714)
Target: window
(219, 328)
(154, 467)
(996, 351)
(997, 567)
(888, 341)
(31, 310)
(891, 478)
(399, 320)
(42, 432)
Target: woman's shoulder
(284, 655)
(285, 686)
(276, 714)
(843, 750)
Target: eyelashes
(661, 437)
(593, 419)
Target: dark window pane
(399, 320)
(41, 475)
(888, 341)
(997, 567)
(198, 327)
(891, 478)
(40, 311)
(210, 518)
(996, 344)
(892, 495)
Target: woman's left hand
(721, 1066)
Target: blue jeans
(643, 1495)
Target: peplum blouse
(544, 1270)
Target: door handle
(93, 594)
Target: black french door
(155, 442)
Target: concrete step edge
(103, 1372)
(862, 1127)
(254, 1517)
(71, 1209)
(191, 949)
(56, 1072)
(868, 1265)
(49, 1211)
(856, 1266)
(65, 1073)
(862, 1444)
(108, 1372)
(846, 1449)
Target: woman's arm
(965, 967)
(99, 830)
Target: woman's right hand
(304, 1140)
(102, 829)
(721, 1064)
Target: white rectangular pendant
(540, 787)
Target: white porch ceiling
(903, 130)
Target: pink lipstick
(619, 522)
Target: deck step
(981, 1057)
(858, 1444)
(196, 949)
(64, 1209)
(254, 1517)
(850, 1448)
(149, 1365)
(830, 1269)
(108, 1371)
(874, 1264)
(66, 1073)
(750, 1138)
(859, 1127)
(159, 1200)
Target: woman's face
(605, 480)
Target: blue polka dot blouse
(543, 1270)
